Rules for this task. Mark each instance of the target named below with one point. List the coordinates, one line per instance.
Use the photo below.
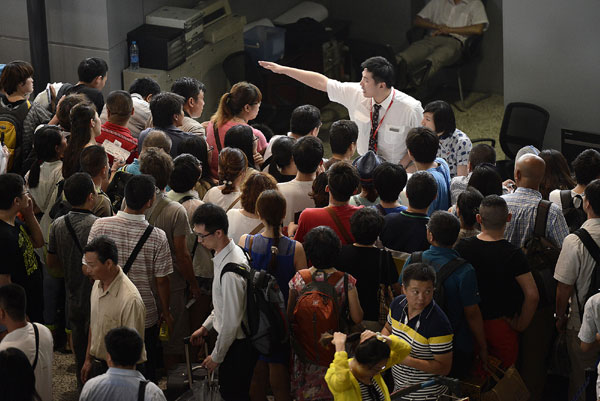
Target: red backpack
(318, 309)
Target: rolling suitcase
(187, 382)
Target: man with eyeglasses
(19, 236)
(233, 354)
(150, 267)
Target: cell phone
(297, 217)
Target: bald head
(529, 171)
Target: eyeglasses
(211, 148)
(202, 236)
(26, 192)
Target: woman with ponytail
(359, 378)
(233, 167)
(46, 172)
(85, 127)
(281, 257)
(238, 106)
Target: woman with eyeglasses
(359, 378)
(238, 106)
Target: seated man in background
(450, 23)
(121, 382)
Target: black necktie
(374, 123)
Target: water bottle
(134, 56)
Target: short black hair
(381, 69)
(419, 272)
(304, 119)
(163, 107)
(188, 87)
(443, 117)
(342, 134)
(423, 144)
(78, 187)
(390, 180)
(493, 211)
(119, 103)
(139, 190)
(282, 151)
(265, 129)
(157, 163)
(308, 154)
(124, 345)
(145, 86)
(421, 189)
(93, 159)
(186, 172)
(322, 247)
(14, 301)
(241, 136)
(366, 225)
(90, 68)
(105, 247)
(196, 146)
(343, 180)
(13, 74)
(486, 179)
(372, 351)
(468, 204)
(482, 153)
(586, 166)
(12, 187)
(592, 194)
(444, 227)
(212, 216)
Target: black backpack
(265, 308)
(116, 189)
(574, 215)
(541, 256)
(439, 295)
(591, 246)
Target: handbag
(385, 295)
(509, 385)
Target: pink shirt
(210, 138)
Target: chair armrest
(491, 140)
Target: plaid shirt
(522, 204)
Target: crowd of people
(120, 219)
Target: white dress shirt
(229, 301)
(405, 113)
(446, 12)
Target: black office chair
(523, 124)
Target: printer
(190, 20)
(219, 22)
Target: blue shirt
(389, 210)
(460, 291)
(522, 204)
(441, 173)
(175, 134)
(134, 167)
(119, 384)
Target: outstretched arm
(313, 79)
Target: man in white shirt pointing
(384, 115)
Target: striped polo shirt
(429, 333)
